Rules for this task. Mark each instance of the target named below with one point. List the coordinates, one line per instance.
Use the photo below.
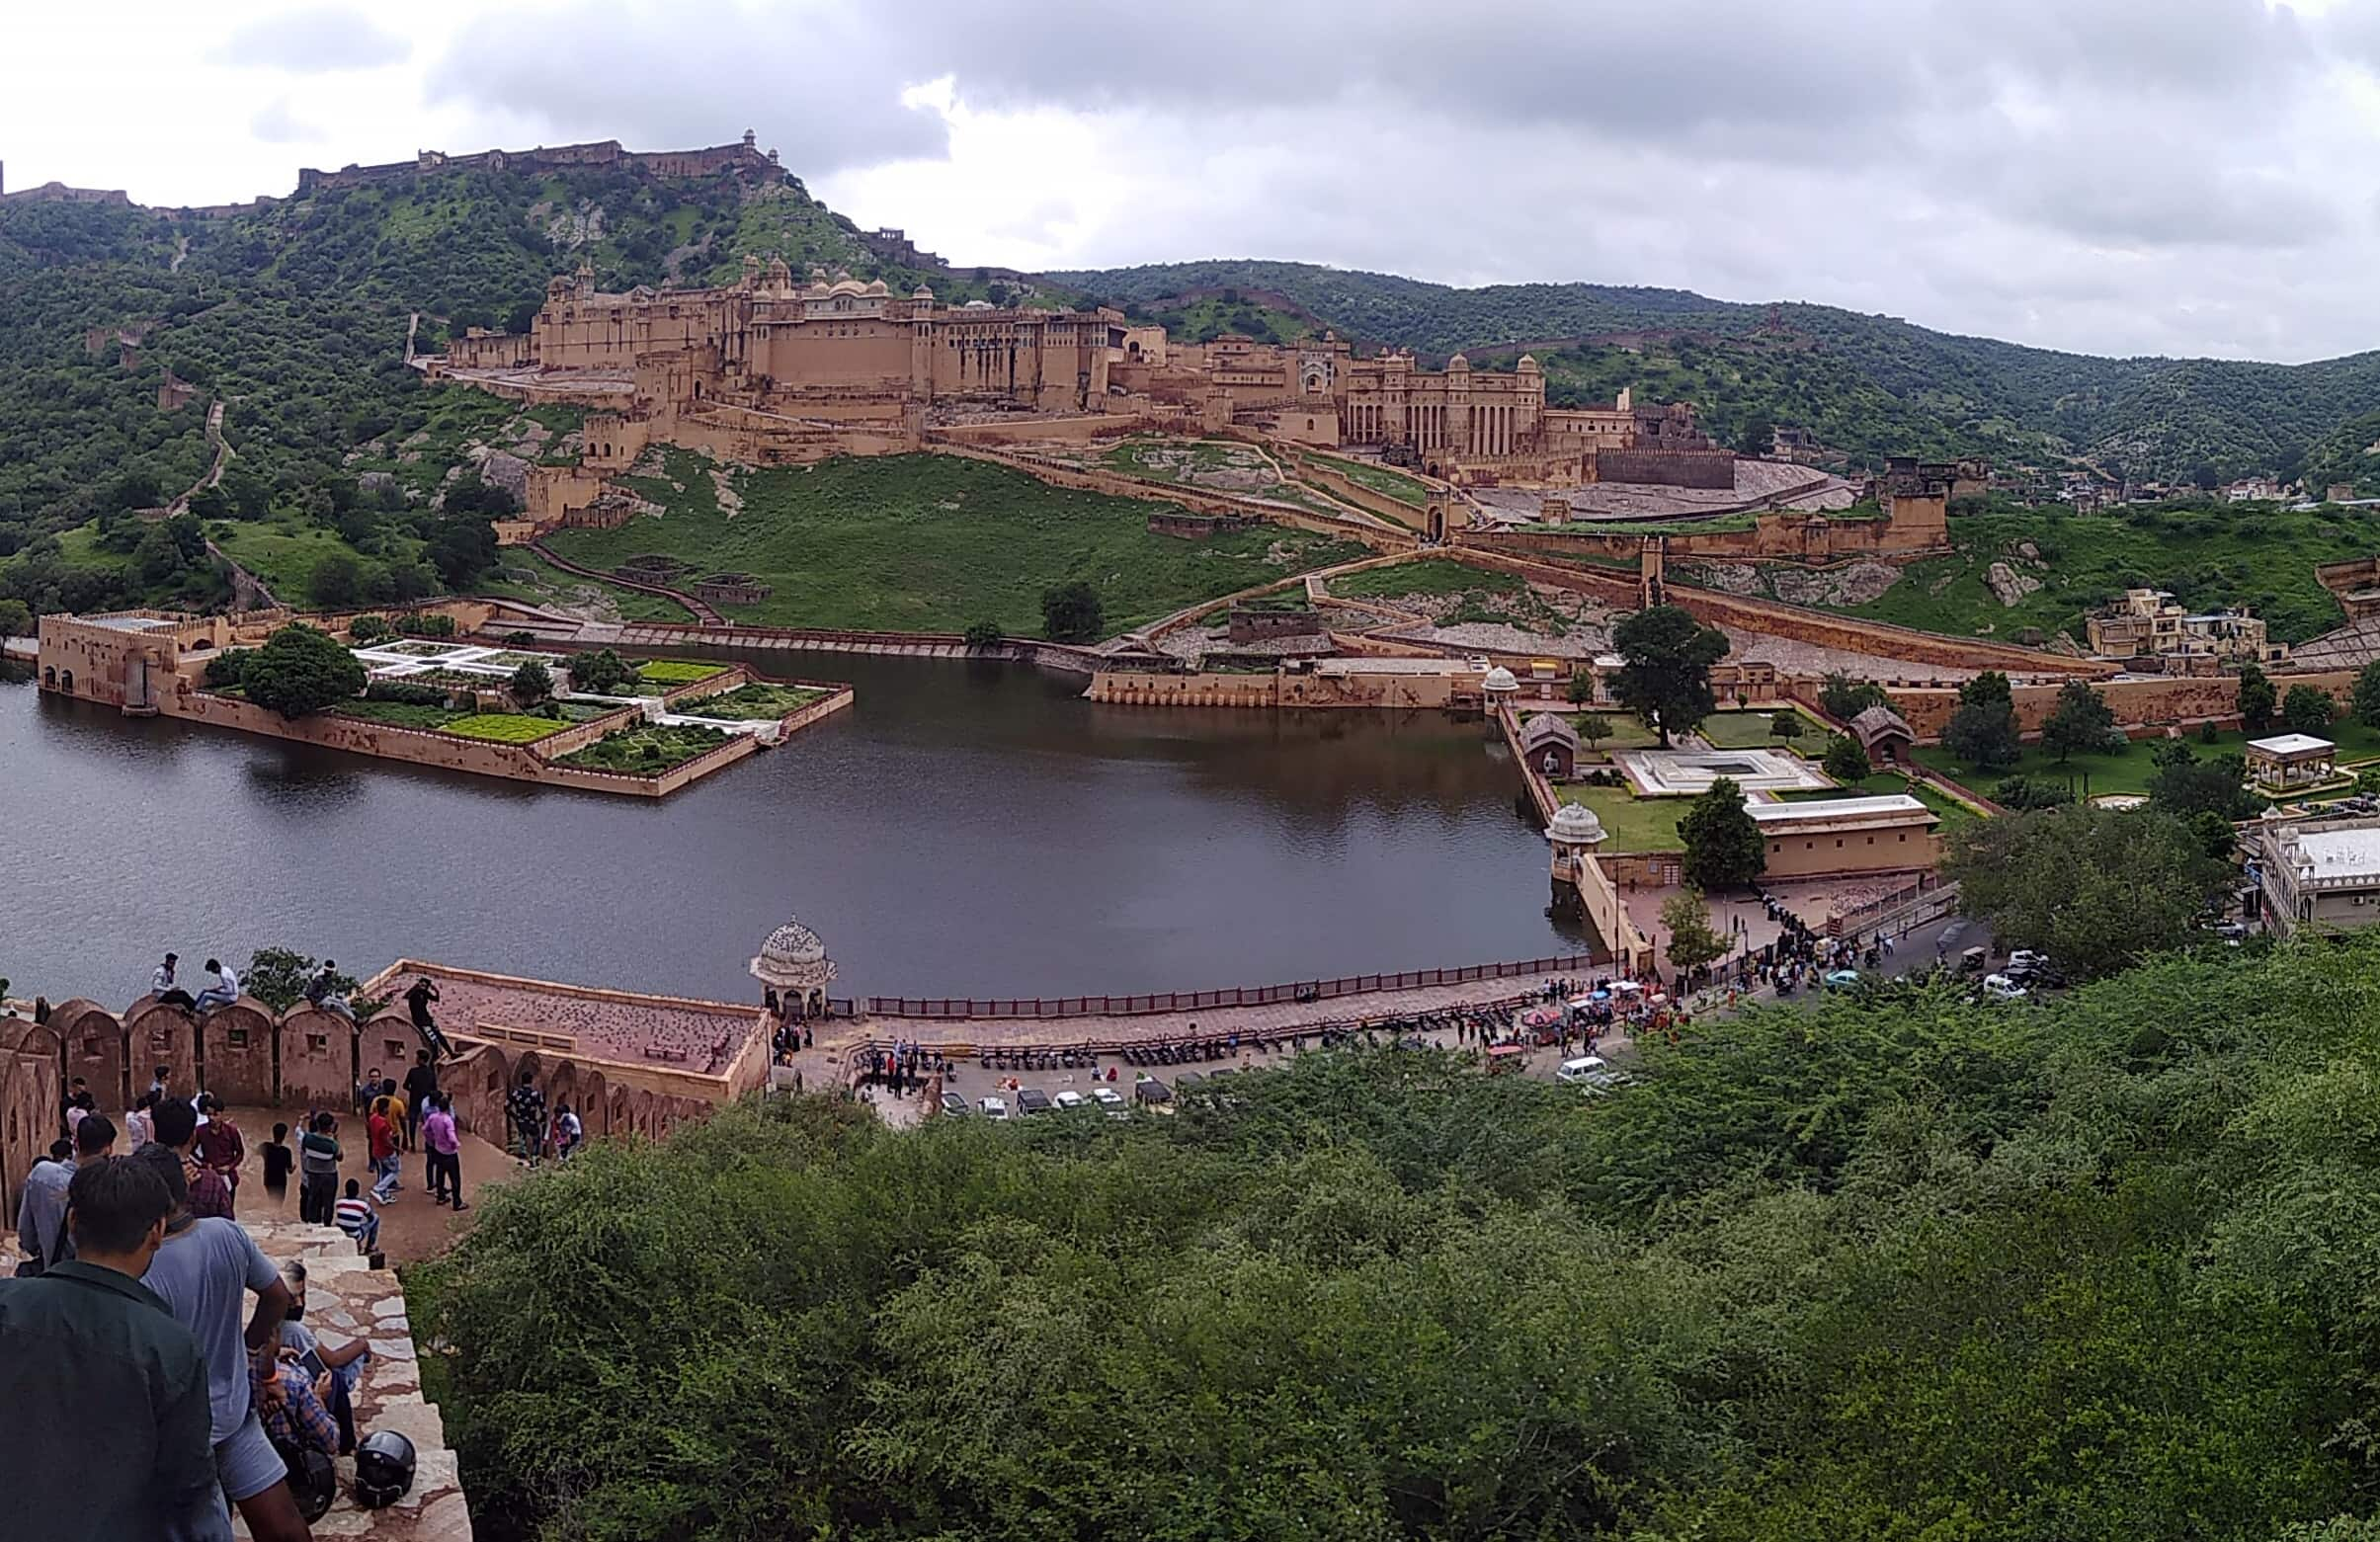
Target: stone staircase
(346, 1297)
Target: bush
(984, 634)
(532, 683)
(368, 628)
(404, 693)
(1071, 613)
(426, 623)
(1846, 761)
(602, 673)
(228, 670)
(2307, 709)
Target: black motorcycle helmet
(383, 1469)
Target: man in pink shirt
(445, 1151)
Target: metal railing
(958, 1008)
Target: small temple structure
(792, 962)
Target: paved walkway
(1151, 1028)
(610, 1026)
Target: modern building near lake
(1834, 837)
(2316, 872)
(2148, 624)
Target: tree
(228, 670)
(2081, 720)
(1071, 613)
(1784, 723)
(300, 670)
(1846, 761)
(1981, 730)
(16, 618)
(461, 550)
(601, 674)
(2098, 889)
(368, 628)
(2216, 835)
(984, 634)
(2189, 787)
(2308, 709)
(1844, 699)
(2021, 793)
(2368, 695)
(532, 683)
(2256, 699)
(1694, 941)
(1594, 728)
(337, 581)
(1666, 660)
(1582, 687)
(1724, 846)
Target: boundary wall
(2146, 704)
(1052, 1007)
(1599, 896)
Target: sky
(2186, 177)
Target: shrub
(404, 693)
(228, 671)
(984, 634)
(368, 628)
(300, 670)
(1071, 613)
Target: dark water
(965, 828)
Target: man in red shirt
(382, 1135)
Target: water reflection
(967, 828)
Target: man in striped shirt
(357, 1219)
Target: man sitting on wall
(163, 986)
(323, 991)
(224, 991)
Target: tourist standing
(318, 1157)
(41, 1210)
(205, 1271)
(104, 1428)
(203, 1192)
(445, 1151)
(420, 1083)
(525, 1109)
(279, 1159)
(380, 1142)
(566, 1132)
(218, 1145)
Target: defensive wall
(1808, 537)
(1710, 470)
(1067, 658)
(1319, 470)
(2143, 704)
(307, 1058)
(1598, 894)
(1059, 473)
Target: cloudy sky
(2115, 176)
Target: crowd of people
(133, 1297)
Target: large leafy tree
(1844, 699)
(2256, 698)
(2184, 785)
(300, 670)
(2368, 695)
(1666, 660)
(1981, 730)
(2308, 709)
(1072, 612)
(2097, 889)
(1692, 941)
(1724, 848)
(2081, 720)
(1846, 761)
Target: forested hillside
(2098, 1268)
(1869, 385)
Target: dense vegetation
(934, 544)
(1905, 1269)
(1869, 385)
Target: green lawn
(1634, 823)
(285, 552)
(645, 752)
(1432, 576)
(1380, 479)
(755, 701)
(1949, 810)
(505, 727)
(2129, 772)
(1750, 731)
(935, 543)
(678, 671)
(1627, 733)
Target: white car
(2024, 958)
(1113, 1102)
(1999, 988)
(1584, 1069)
(1069, 1099)
(995, 1107)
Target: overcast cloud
(2121, 176)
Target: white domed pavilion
(793, 963)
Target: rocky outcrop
(2008, 585)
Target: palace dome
(1575, 824)
(1500, 679)
(1527, 364)
(1458, 362)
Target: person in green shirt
(86, 1333)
